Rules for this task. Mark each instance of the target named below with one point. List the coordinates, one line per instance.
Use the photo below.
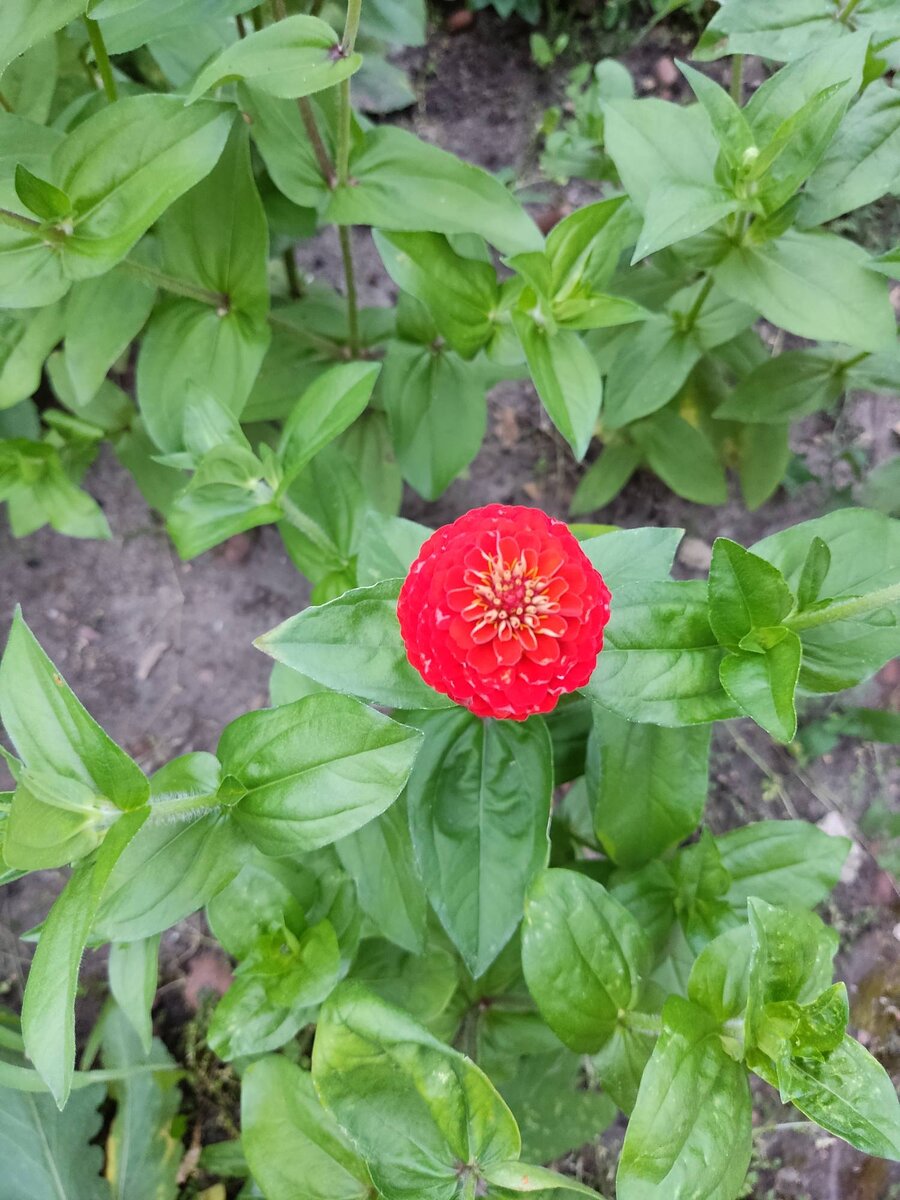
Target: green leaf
(649, 368)
(647, 786)
(860, 164)
(865, 551)
(171, 869)
(682, 456)
(605, 478)
(327, 505)
(764, 453)
(285, 149)
(850, 1094)
(47, 1153)
(275, 990)
(585, 246)
(128, 24)
(701, 883)
(763, 685)
(554, 1111)
(424, 984)
(289, 59)
(437, 413)
(26, 338)
(266, 892)
(52, 731)
(745, 593)
(661, 659)
(680, 211)
(729, 124)
(789, 385)
(29, 83)
(389, 545)
(226, 495)
(380, 859)
(54, 820)
(419, 1112)
(353, 644)
(816, 285)
(41, 197)
(584, 956)
(461, 294)
(690, 1132)
(400, 183)
(29, 21)
(103, 316)
(327, 407)
(293, 1146)
(133, 969)
(621, 1063)
(566, 379)
(630, 556)
(479, 807)
(767, 28)
(523, 1177)
(782, 862)
(125, 165)
(720, 976)
(655, 145)
(48, 1009)
(792, 951)
(314, 771)
(143, 1151)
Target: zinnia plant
(474, 922)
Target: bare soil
(161, 651)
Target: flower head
(503, 612)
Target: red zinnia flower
(503, 612)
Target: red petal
(483, 659)
(459, 598)
(546, 651)
(553, 625)
(508, 652)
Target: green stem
(351, 25)
(847, 12)
(27, 225)
(104, 66)
(851, 362)
(737, 79)
(841, 610)
(180, 287)
(307, 526)
(166, 808)
(350, 277)
(326, 166)
(256, 16)
(641, 1022)
(4, 103)
(241, 27)
(691, 319)
(295, 283)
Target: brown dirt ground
(161, 651)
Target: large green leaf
(461, 294)
(787, 386)
(682, 456)
(650, 367)
(327, 407)
(143, 1153)
(745, 593)
(647, 785)
(690, 1133)
(768, 28)
(566, 378)
(479, 807)
(48, 1154)
(313, 771)
(381, 861)
(26, 22)
(103, 315)
(630, 555)
(353, 644)
(125, 165)
(48, 1012)
(401, 183)
(661, 659)
(422, 1115)
(267, 892)
(52, 731)
(293, 1146)
(26, 338)
(861, 162)
(865, 553)
(816, 285)
(654, 145)
(291, 58)
(584, 956)
(437, 413)
(782, 862)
